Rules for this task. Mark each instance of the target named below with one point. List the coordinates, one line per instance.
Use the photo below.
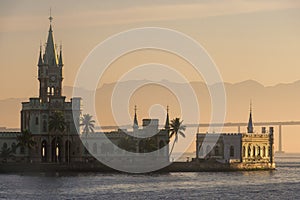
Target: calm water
(284, 183)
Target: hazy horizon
(247, 40)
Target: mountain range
(270, 103)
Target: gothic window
(13, 147)
(264, 152)
(231, 151)
(249, 151)
(44, 126)
(36, 121)
(217, 150)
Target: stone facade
(248, 148)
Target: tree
(57, 125)
(176, 128)
(25, 140)
(57, 122)
(6, 153)
(87, 123)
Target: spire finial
(50, 17)
(250, 123)
(167, 124)
(40, 45)
(135, 121)
(60, 46)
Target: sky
(256, 40)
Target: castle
(69, 146)
(247, 148)
(53, 146)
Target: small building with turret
(247, 148)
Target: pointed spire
(135, 122)
(40, 63)
(167, 124)
(250, 123)
(50, 56)
(60, 62)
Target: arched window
(217, 150)
(244, 151)
(36, 121)
(95, 148)
(44, 126)
(264, 152)
(253, 151)
(13, 147)
(231, 151)
(44, 151)
(249, 151)
(258, 151)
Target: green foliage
(127, 143)
(57, 122)
(6, 153)
(25, 140)
(177, 128)
(144, 145)
(87, 123)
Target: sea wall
(194, 166)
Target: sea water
(282, 183)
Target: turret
(60, 62)
(167, 124)
(135, 121)
(250, 123)
(40, 62)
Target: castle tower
(135, 121)
(250, 123)
(50, 69)
(167, 124)
(36, 114)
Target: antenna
(50, 18)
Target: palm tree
(176, 128)
(25, 140)
(57, 122)
(57, 125)
(6, 153)
(87, 123)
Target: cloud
(91, 16)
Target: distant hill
(279, 102)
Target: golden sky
(256, 40)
